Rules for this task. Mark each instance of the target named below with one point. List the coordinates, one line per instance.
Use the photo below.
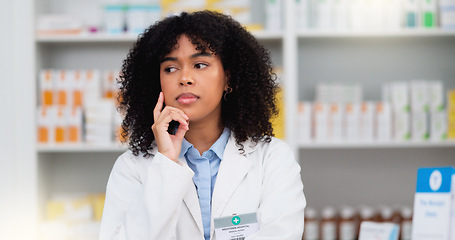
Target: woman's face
(193, 81)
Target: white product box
(141, 16)
(335, 122)
(434, 204)
(411, 13)
(378, 231)
(323, 14)
(273, 12)
(438, 125)
(303, 14)
(114, 18)
(47, 87)
(77, 86)
(46, 124)
(366, 130)
(320, 123)
(419, 96)
(399, 96)
(59, 24)
(420, 126)
(428, 13)
(99, 122)
(62, 87)
(383, 122)
(61, 125)
(356, 14)
(374, 14)
(304, 115)
(401, 126)
(447, 14)
(109, 84)
(92, 88)
(75, 126)
(352, 121)
(340, 14)
(436, 95)
(393, 14)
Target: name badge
(236, 227)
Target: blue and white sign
(434, 204)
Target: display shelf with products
(375, 33)
(73, 172)
(128, 38)
(62, 148)
(377, 145)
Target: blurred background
(367, 97)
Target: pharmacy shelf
(128, 38)
(367, 33)
(61, 148)
(376, 145)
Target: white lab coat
(155, 198)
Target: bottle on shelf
(347, 225)
(311, 230)
(328, 225)
(406, 223)
(366, 213)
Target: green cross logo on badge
(235, 220)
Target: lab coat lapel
(192, 201)
(233, 169)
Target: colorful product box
(335, 122)
(429, 16)
(366, 130)
(352, 122)
(383, 122)
(320, 123)
(434, 204)
(304, 121)
(447, 14)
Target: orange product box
(77, 88)
(109, 84)
(60, 125)
(45, 124)
(74, 120)
(62, 87)
(46, 81)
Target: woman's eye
(200, 65)
(170, 69)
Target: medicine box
(434, 204)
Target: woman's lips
(187, 98)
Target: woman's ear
(227, 76)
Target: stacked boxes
(409, 111)
(374, 14)
(76, 105)
(438, 114)
(72, 216)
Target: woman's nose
(186, 79)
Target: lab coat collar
(232, 171)
(190, 198)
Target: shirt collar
(218, 147)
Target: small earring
(228, 90)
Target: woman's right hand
(169, 145)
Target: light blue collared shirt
(205, 170)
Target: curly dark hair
(246, 111)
